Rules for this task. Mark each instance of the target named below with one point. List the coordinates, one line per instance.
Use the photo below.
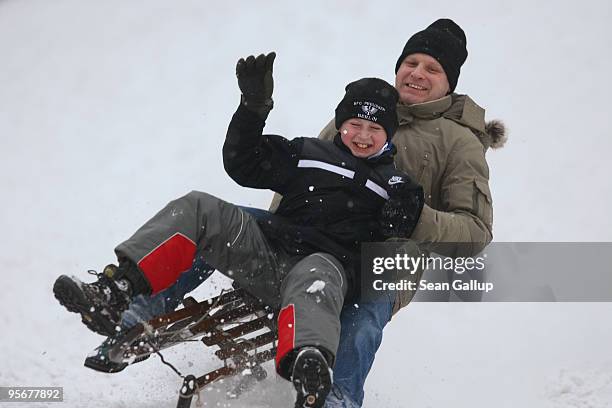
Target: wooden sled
(241, 328)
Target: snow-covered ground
(110, 109)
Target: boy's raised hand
(256, 82)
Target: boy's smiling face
(362, 137)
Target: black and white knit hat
(445, 41)
(371, 99)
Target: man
(441, 142)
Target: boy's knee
(200, 201)
(195, 195)
(327, 267)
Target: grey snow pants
(309, 292)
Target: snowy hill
(108, 110)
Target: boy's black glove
(256, 82)
(401, 212)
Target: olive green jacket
(442, 145)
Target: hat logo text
(369, 109)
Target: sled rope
(163, 360)
(171, 338)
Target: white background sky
(108, 110)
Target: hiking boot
(311, 378)
(100, 358)
(100, 303)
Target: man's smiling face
(420, 78)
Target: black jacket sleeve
(255, 160)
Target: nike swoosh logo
(392, 182)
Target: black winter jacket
(331, 201)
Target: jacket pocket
(483, 203)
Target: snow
(582, 388)
(317, 286)
(109, 110)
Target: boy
(303, 260)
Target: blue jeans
(360, 336)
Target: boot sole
(103, 366)
(69, 295)
(106, 366)
(312, 381)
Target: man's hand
(256, 82)
(401, 212)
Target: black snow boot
(311, 378)
(100, 358)
(100, 303)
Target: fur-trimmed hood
(466, 112)
(495, 135)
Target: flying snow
(317, 286)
